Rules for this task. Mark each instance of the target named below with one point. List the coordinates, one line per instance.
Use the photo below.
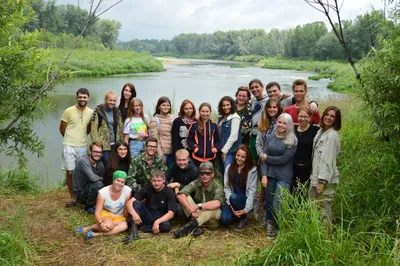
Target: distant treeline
(58, 24)
(312, 40)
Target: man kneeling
(201, 200)
(155, 213)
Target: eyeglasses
(97, 152)
(151, 147)
(206, 173)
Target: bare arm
(211, 205)
(185, 203)
(165, 218)
(131, 211)
(63, 126)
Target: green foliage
(84, 62)
(21, 79)
(15, 181)
(381, 77)
(66, 41)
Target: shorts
(114, 218)
(69, 155)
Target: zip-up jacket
(202, 144)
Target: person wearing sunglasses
(201, 201)
(142, 164)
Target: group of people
(140, 173)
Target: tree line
(311, 40)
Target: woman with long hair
(120, 159)
(325, 175)
(136, 127)
(128, 92)
(305, 133)
(243, 105)
(186, 116)
(203, 138)
(229, 132)
(277, 170)
(160, 128)
(110, 204)
(240, 187)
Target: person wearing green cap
(109, 211)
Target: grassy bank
(84, 62)
(366, 207)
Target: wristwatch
(199, 205)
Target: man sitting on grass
(152, 207)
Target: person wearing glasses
(87, 178)
(201, 201)
(142, 164)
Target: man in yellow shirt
(75, 127)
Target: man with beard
(75, 127)
(87, 177)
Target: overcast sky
(164, 19)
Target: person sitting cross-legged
(110, 209)
(201, 200)
(152, 207)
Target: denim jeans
(136, 147)
(222, 165)
(149, 216)
(88, 194)
(104, 158)
(238, 202)
(272, 197)
(169, 159)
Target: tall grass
(366, 207)
(15, 181)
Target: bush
(15, 181)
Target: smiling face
(111, 101)
(96, 153)
(240, 157)
(182, 160)
(137, 108)
(242, 97)
(118, 184)
(151, 148)
(304, 118)
(256, 89)
(272, 110)
(165, 108)
(274, 92)
(188, 110)
(205, 113)
(82, 99)
(127, 93)
(299, 92)
(226, 107)
(281, 125)
(122, 151)
(329, 119)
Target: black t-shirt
(161, 202)
(305, 144)
(182, 176)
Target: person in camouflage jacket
(142, 164)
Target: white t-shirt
(115, 207)
(136, 128)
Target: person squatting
(140, 173)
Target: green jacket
(195, 190)
(100, 131)
(139, 170)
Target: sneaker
(80, 229)
(89, 235)
(243, 224)
(263, 223)
(90, 210)
(271, 232)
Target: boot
(132, 235)
(186, 229)
(271, 231)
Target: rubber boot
(186, 229)
(134, 234)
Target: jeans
(222, 165)
(149, 216)
(272, 197)
(104, 158)
(238, 202)
(169, 159)
(136, 147)
(88, 194)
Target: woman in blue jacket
(203, 138)
(229, 132)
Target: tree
(108, 31)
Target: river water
(200, 81)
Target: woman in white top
(110, 213)
(136, 127)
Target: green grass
(85, 62)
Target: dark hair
(82, 91)
(160, 101)
(152, 139)
(244, 88)
(231, 101)
(265, 121)
(298, 82)
(182, 108)
(122, 99)
(256, 81)
(114, 160)
(233, 168)
(273, 84)
(337, 125)
(95, 143)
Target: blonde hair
(182, 152)
(265, 118)
(108, 94)
(131, 111)
(290, 138)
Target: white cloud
(164, 19)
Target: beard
(82, 103)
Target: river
(200, 81)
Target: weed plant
(15, 181)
